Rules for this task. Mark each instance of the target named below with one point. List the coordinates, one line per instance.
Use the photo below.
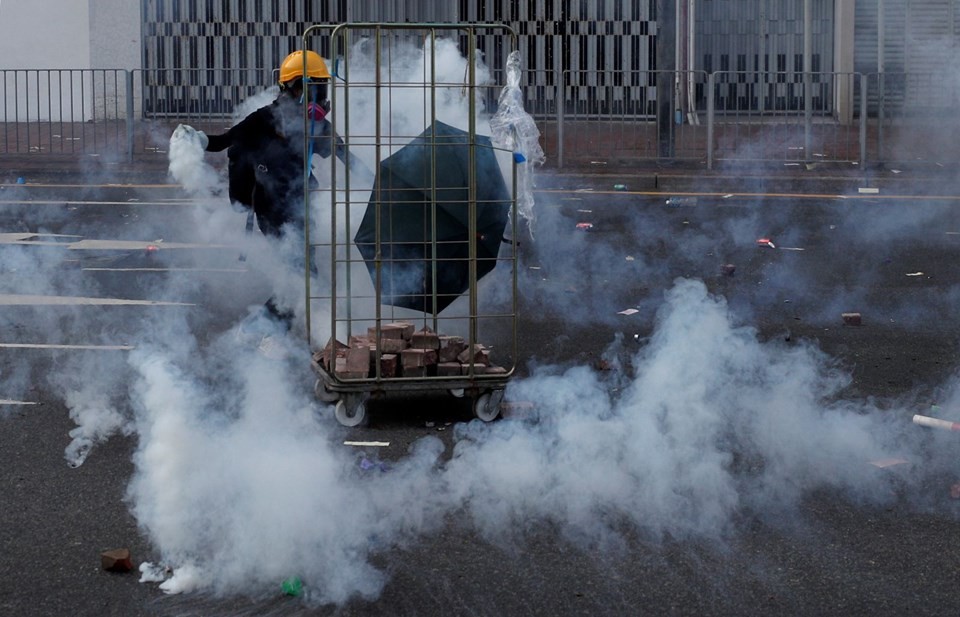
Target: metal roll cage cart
(361, 285)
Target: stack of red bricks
(406, 352)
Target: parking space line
(67, 347)
(29, 300)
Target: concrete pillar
(844, 18)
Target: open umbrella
(423, 187)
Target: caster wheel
(351, 416)
(320, 390)
(457, 392)
(486, 407)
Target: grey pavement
(829, 534)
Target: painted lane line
(141, 245)
(729, 195)
(216, 270)
(6, 401)
(28, 236)
(370, 444)
(103, 245)
(33, 300)
(71, 202)
(69, 347)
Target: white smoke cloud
(239, 484)
(713, 424)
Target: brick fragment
(387, 331)
(448, 369)
(389, 365)
(342, 371)
(325, 356)
(358, 359)
(358, 340)
(415, 371)
(476, 355)
(425, 339)
(450, 348)
(412, 358)
(406, 329)
(116, 560)
(392, 345)
(851, 319)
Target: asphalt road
(708, 453)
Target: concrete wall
(56, 58)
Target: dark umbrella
(405, 199)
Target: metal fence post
(128, 77)
(863, 120)
(711, 83)
(561, 104)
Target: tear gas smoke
(238, 485)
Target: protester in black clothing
(265, 149)
(265, 152)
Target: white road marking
(371, 444)
(31, 300)
(72, 347)
(88, 244)
(141, 245)
(12, 402)
(218, 270)
(67, 202)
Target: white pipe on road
(936, 423)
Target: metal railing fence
(586, 118)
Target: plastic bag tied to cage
(513, 128)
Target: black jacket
(265, 156)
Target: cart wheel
(486, 407)
(327, 396)
(352, 415)
(457, 392)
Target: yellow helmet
(292, 66)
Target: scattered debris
(619, 187)
(292, 586)
(630, 258)
(629, 311)
(791, 248)
(681, 201)
(116, 560)
(914, 273)
(728, 269)
(154, 573)
(728, 196)
(366, 464)
(888, 462)
(584, 226)
(852, 319)
(766, 242)
(896, 171)
(868, 190)
(366, 444)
